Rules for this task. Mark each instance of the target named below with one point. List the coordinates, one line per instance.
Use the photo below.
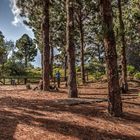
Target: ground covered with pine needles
(35, 115)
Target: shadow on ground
(30, 116)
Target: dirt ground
(34, 115)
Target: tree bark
(46, 47)
(42, 63)
(72, 85)
(114, 103)
(65, 67)
(26, 56)
(51, 63)
(82, 49)
(124, 83)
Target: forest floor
(34, 115)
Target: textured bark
(46, 47)
(115, 103)
(26, 56)
(72, 85)
(42, 63)
(51, 63)
(82, 48)
(65, 67)
(81, 29)
(124, 83)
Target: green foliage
(93, 43)
(131, 70)
(26, 49)
(2, 49)
(55, 70)
(33, 72)
(1, 39)
(133, 55)
(95, 67)
(97, 75)
(137, 76)
(11, 68)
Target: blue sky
(11, 24)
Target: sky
(11, 24)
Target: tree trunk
(99, 53)
(51, 63)
(115, 103)
(46, 47)
(26, 62)
(42, 63)
(82, 50)
(26, 65)
(72, 85)
(124, 83)
(65, 67)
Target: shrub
(131, 70)
(95, 67)
(137, 75)
(98, 75)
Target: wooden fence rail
(24, 80)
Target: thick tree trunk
(124, 83)
(82, 50)
(72, 85)
(46, 47)
(115, 103)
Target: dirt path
(29, 115)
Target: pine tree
(72, 86)
(124, 83)
(115, 104)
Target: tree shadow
(7, 126)
(132, 90)
(49, 105)
(61, 127)
(97, 100)
(93, 88)
(87, 94)
(136, 104)
(31, 107)
(129, 98)
(130, 95)
(13, 90)
(131, 117)
(81, 132)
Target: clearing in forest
(34, 115)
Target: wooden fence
(20, 80)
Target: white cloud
(16, 12)
(18, 20)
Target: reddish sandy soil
(34, 115)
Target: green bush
(95, 67)
(97, 75)
(137, 75)
(13, 69)
(131, 70)
(33, 72)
